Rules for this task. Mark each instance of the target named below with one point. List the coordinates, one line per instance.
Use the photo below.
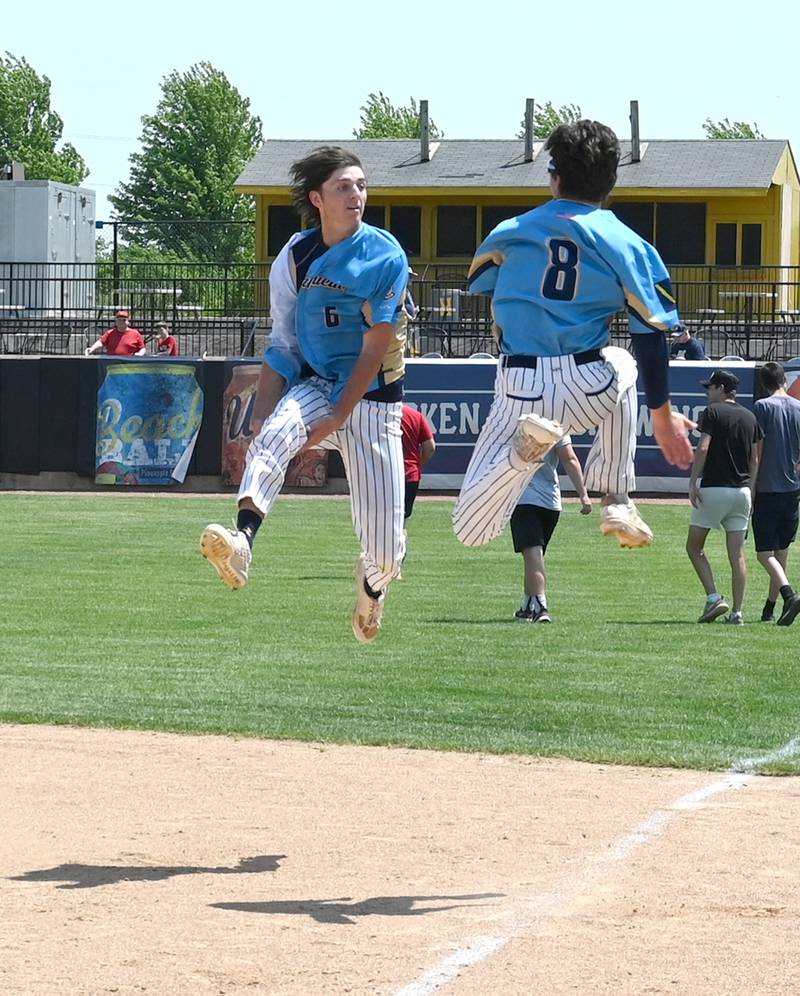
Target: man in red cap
(122, 340)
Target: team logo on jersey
(390, 295)
(323, 282)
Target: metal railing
(223, 309)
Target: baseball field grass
(110, 617)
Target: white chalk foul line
(533, 911)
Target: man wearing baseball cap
(720, 489)
(119, 341)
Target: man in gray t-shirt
(775, 507)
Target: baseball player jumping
(557, 275)
(332, 377)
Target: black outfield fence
(222, 309)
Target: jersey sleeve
(482, 276)
(387, 299)
(283, 352)
(649, 298)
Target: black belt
(587, 356)
(306, 371)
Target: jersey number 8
(561, 276)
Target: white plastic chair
(482, 356)
(431, 356)
(731, 359)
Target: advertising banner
(308, 469)
(455, 396)
(148, 417)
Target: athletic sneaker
(229, 553)
(735, 619)
(624, 522)
(714, 608)
(368, 612)
(791, 607)
(523, 615)
(543, 616)
(535, 436)
(768, 617)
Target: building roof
(395, 163)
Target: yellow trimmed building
(731, 206)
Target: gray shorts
(726, 508)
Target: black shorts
(532, 525)
(411, 493)
(775, 519)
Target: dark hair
(585, 155)
(773, 376)
(310, 173)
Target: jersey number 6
(331, 316)
(561, 276)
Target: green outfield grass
(110, 617)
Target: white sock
(525, 604)
(541, 603)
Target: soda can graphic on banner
(148, 418)
(307, 470)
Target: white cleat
(624, 522)
(368, 612)
(535, 436)
(229, 553)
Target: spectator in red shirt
(418, 448)
(119, 341)
(167, 343)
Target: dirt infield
(140, 862)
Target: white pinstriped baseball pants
(599, 395)
(370, 442)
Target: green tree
(730, 129)
(30, 130)
(192, 151)
(546, 118)
(381, 119)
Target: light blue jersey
(324, 299)
(544, 489)
(559, 273)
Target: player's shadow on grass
(91, 876)
(345, 911)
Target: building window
(637, 216)
(492, 216)
(681, 233)
(282, 223)
(405, 223)
(375, 215)
(725, 250)
(751, 245)
(456, 226)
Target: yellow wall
(740, 207)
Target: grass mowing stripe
(110, 617)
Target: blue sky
(308, 67)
